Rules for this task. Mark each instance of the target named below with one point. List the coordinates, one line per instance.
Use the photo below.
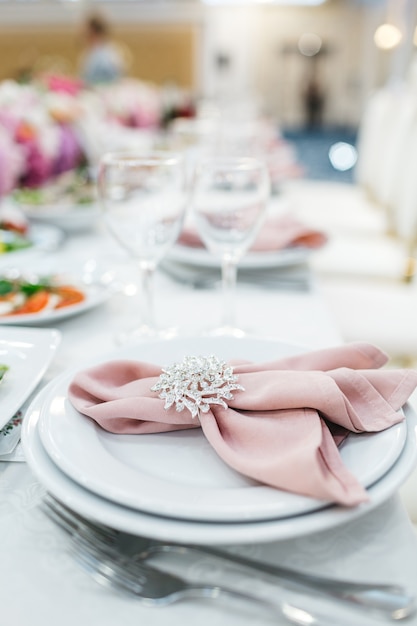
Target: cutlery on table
(389, 600)
(205, 278)
(10, 434)
(10, 448)
(154, 587)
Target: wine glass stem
(147, 308)
(229, 276)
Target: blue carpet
(312, 147)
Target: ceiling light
(309, 44)
(387, 36)
(343, 156)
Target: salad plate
(68, 201)
(126, 519)
(39, 238)
(51, 293)
(27, 353)
(178, 474)
(69, 217)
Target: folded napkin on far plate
(276, 233)
(283, 429)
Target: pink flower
(11, 162)
(63, 84)
(70, 154)
(38, 167)
(132, 103)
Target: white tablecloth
(40, 583)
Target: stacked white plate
(173, 485)
(201, 257)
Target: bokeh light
(343, 156)
(309, 44)
(387, 36)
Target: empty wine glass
(229, 203)
(143, 200)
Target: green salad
(73, 188)
(12, 240)
(3, 370)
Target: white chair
(360, 271)
(403, 117)
(374, 138)
(404, 199)
(369, 223)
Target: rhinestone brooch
(196, 383)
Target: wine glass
(229, 200)
(143, 200)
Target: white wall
(262, 42)
(253, 40)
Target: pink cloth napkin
(283, 429)
(276, 234)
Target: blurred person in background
(314, 104)
(102, 61)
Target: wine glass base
(144, 333)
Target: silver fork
(392, 601)
(154, 587)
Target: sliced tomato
(69, 295)
(17, 227)
(35, 303)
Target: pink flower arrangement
(45, 146)
(11, 162)
(132, 103)
(63, 84)
(46, 125)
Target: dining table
(41, 582)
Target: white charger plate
(28, 353)
(178, 474)
(44, 238)
(95, 282)
(129, 520)
(201, 257)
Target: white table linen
(40, 582)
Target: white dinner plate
(129, 520)
(178, 474)
(201, 257)
(95, 282)
(28, 353)
(43, 237)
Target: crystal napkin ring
(196, 383)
